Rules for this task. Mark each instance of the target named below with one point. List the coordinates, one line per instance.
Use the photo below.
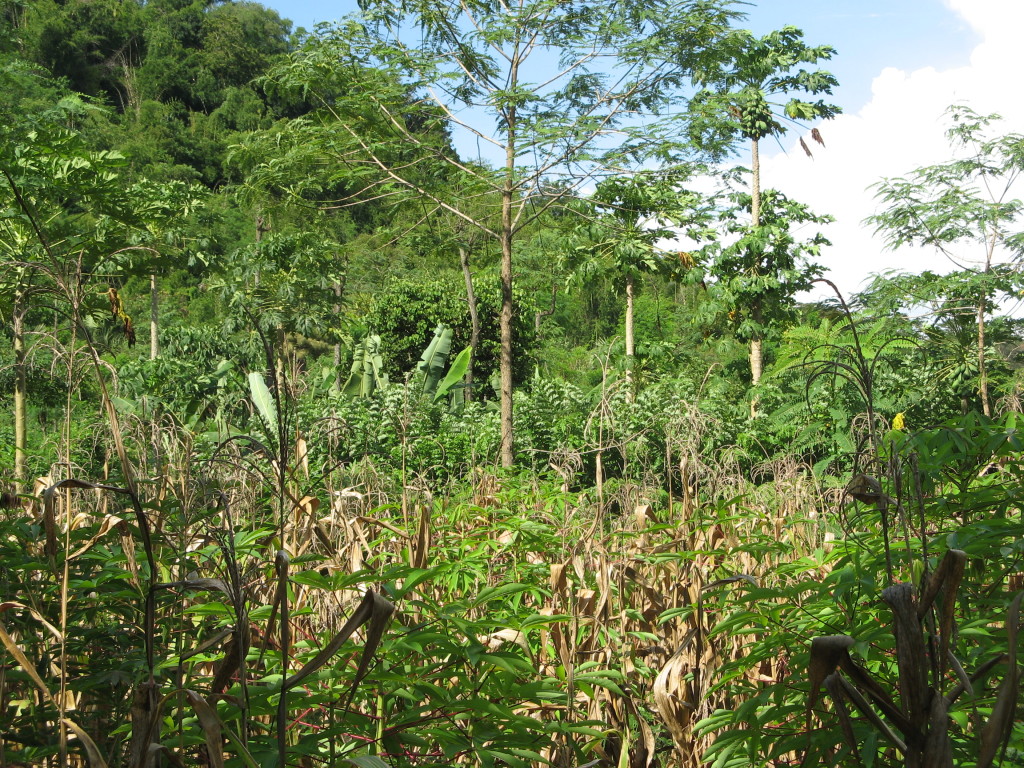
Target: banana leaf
(453, 379)
(434, 360)
(366, 374)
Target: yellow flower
(897, 421)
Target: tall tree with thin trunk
(964, 209)
(166, 208)
(65, 217)
(758, 271)
(474, 318)
(628, 216)
(751, 97)
(551, 90)
(20, 383)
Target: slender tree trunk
(154, 318)
(986, 407)
(756, 354)
(630, 343)
(280, 353)
(337, 344)
(756, 349)
(755, 183)
(542, 313)
(20, 431)
(505, 319)
(756, 361)
(474, 320)
(505, 322)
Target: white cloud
(900, 129)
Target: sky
(900, 65)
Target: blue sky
(900, 65)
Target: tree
(758, 275)
(67, 217)
(743, 98)
(406, 312)
(554, 90)
(96, 46)
(965, 202)
(630, 215)
(165, 209)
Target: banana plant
(433, 362)
(434, 377)
(367, 374)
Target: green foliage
(630, 215)
(740, 96)
(366, 375)
(961, 200)
(406, 312)
(760, 271)
(837, 591)
(963, 203)
(274, 565)
(287, 280)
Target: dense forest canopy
(325, 440)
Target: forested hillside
(440, 388)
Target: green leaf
(456, 373)
(434, 359)
(367, 761)
(263, 400)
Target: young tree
(961, 204)
(554, 90)
(751, 97)
(165, 208)
(630, 214)
(758, 274)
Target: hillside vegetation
(391, 395)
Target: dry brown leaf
(302, 455)
(1000, 723)
(827, 653)
(420, 546)
(495, 640)
(946, 578)
(867, 489)
(374, 611)
(146, 721)
(866, 709)
(109, 522)
(835, 689)
(211, 728)
(911, 655)
(558, 580)
(674, 699)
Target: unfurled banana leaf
(434, 359)
(263, 400)
(453, 379)
(367, 369)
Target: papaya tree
(758, 271)
(64, 216)
(762, 91)
(629, 215)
